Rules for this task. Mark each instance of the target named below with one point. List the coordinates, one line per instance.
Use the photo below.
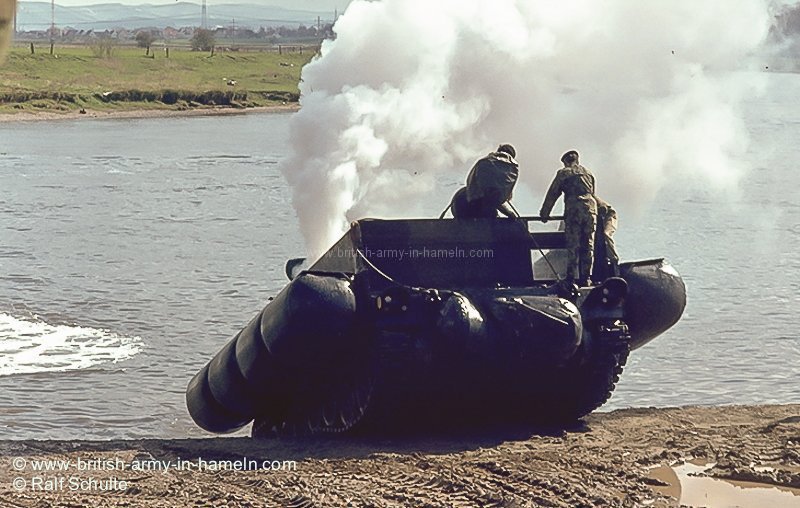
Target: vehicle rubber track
(590, 379)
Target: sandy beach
(612, 459)
(142, 113)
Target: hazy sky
(310, 5)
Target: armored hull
(433, 322)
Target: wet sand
(612, 459)
(29, 116)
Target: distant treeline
(224, 35)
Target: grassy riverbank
(75, 79)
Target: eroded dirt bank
(606, 462)
(32, 116)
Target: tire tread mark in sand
(327, 489)
(494, 478)
(456, 491)
(607, 475)
(281, 491)
(481, 484)
(300, 502)
(234, 490)
(419, 488)
(541, 490)
(416, 490)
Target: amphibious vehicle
(428, 322)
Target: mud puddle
(684, 483)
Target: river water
(131, 250)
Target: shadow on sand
(297, 448)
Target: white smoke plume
(646, 90)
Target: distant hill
(36, 16)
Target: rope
(377, 270)
(535, 244)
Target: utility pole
(52, 24)
(233, 29)
(204, 17)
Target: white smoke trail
(647, 91)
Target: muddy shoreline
(607, 460)
(142, 113)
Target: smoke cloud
(648, 91)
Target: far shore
(28, 116)
(632, 457)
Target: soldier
(607, 221)
(580, 214)
(490, 185)
(7, 11)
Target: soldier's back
(493, 177)
(578, 181)
(578, 188)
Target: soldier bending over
(490, 185)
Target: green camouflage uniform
(608, 221)
(580, 216)
(490, 185)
